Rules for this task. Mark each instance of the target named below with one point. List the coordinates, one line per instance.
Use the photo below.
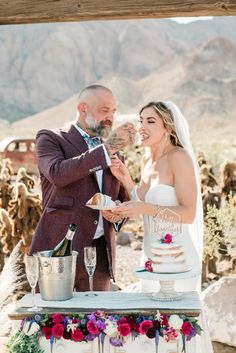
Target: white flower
(158, 316)
(72, 327)
(176, 322)
(30, 328)
(111, 328)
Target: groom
(74, 165)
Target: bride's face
(151, 129)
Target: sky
(190, 19)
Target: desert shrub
(220, 230)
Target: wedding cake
(168, 257)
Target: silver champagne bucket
(56, 275)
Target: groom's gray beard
(101, 129)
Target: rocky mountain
(45, 64)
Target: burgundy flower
(91, 326)
(57, 318)
(67, 334)
(145, 326)
(75, 320)
(156, 324)
(124, 329)
(186, 328)
(123, 320)
(151, 333)
(77, 335)
(47, 331)
(164, 320)
(58, 330)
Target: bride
(169, 181)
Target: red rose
(168, 238)
(124, 329)
(91, 326)
(145, 326)
(58, 330)
(47, 331)
(57, 318)
(77, 335)
(186, 328)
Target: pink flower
(168, 238)
(124, 329)
(186, 328)
(58, 330)
(77, 335)
(57, 318)
(99, 313)
(148, 266)
(170, 334)
(145, 326)
(91, 326)
(47, 331)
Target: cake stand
(167, 282)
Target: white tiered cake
(168, 257)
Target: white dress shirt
(99, 174)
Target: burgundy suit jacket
(67, 172)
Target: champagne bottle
(64, 248)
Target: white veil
(182, 131)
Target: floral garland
(87, 327)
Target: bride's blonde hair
(167, 117)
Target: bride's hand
(118, 169)
(130, 209)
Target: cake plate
(167, 282)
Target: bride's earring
(166, 137)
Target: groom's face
(100, 113)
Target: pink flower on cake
(167, 239)
(148, 266)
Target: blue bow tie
(92, 141)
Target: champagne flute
(90, 259)
(32, 274)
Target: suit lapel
(74, 137)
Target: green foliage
(220, 229)
(21, 343)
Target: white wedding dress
(164, 195)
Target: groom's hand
(121, 137)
